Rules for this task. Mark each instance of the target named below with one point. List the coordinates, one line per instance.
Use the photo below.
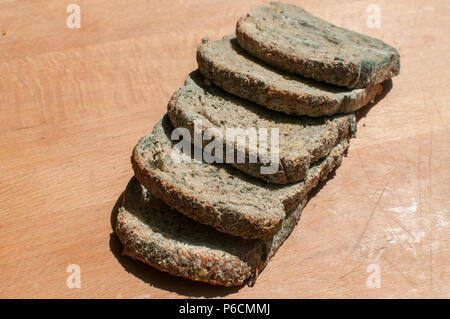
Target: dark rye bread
(158, 235)
(293, 40)
(302, 141)
(228, 66)
(217, 194)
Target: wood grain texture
(73, 103)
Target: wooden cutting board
(74, 101)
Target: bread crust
(302, 141)
(293, 40)
(156, 234)
(227, 65)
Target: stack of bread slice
(221, 221)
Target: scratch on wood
(347, 273)
(373, 212)
(401, 225)
(409, 281)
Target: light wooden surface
(73, 103)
